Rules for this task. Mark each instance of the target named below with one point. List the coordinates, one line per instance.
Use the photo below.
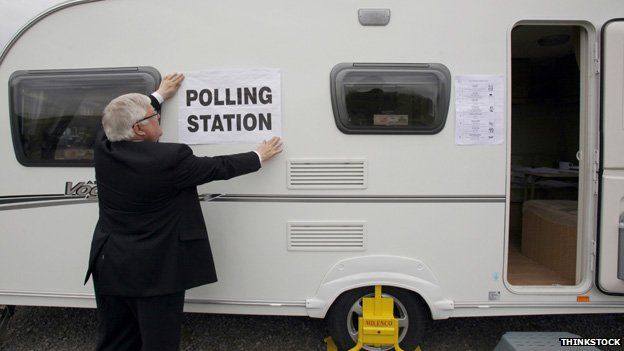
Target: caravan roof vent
(327, 174)
(326, 236)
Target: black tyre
(409, 309)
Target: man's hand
(270, 148)
(170, 84)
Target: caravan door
(610, 277)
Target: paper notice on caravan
(479, 109)
(241, 106)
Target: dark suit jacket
(151, 238)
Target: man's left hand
(269, 148)
(170, 84)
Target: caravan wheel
(409, 309)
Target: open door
(610, 277)
(547, 71)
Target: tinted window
(390, 98)
(56, 114)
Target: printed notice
(479, 109)
(230, 106)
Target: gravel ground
(45, 328)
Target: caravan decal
(81, 189)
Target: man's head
(131, 117)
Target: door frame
(600, 167)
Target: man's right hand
(170, 84)
(268, 149)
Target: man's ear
(138, 130)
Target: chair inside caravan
(545, 133)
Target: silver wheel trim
(400, 313)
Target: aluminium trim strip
(247, 302)
(48, 203)
(35, 20)
(270, 303)
(267, 303)
(34, 201)
(364, 198)
(489, 304)
(45, 294)
(5, 200)
(15, 202)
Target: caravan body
(352, 201)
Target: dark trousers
(139, 323)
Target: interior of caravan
(545, 134)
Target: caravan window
(55, 114)
(390, 98)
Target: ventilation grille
(327, 174)
(326, 236)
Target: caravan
(468, 157)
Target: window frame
(18, 148)
(338, 97)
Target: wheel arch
(400, 272)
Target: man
(150, 243)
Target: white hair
(122, 113)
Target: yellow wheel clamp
(377, 326)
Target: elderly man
(150, 243)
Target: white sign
(479, 109)
(230, 106)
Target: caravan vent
(327, 174)
(326, 236)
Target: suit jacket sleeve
(154, 102)
(192, 170)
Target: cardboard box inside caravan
(549, 235)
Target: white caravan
(375, 186)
